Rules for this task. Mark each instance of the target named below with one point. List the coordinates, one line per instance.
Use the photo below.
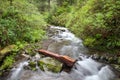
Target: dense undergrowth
(20, 21)
(95, 21)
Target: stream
(65, 43)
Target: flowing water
(66, 43)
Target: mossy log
(67, 61)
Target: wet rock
(96, 57)
(46, 43)
(25, 55)
(110, 60)
(102, 58)
(32, 65)
(49, 64)
(37, 56)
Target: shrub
(20, 22)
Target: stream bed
(65, 43)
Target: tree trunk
(68, 62)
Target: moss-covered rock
(6, 50)
(32, 65)
(49, 64)
(7, 64)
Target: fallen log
(67, 61)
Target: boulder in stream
(49, 64)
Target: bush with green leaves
(8, 62)
(20, 22)
(96, 22)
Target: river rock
(25, 55)
(49, 64)
(96, 57)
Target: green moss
(8, 62)
(89, 42)
(40, 64)
(32, 65)
(7, 49)
(50, 65)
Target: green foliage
(20, 22)
(8, 62)
(95, 21)
(32, 65)
(59, 20)
(89, 42)
(60, 15)
(98, 24)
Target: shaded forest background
(97, 22)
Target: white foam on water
(104, 74)
(15, 75)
